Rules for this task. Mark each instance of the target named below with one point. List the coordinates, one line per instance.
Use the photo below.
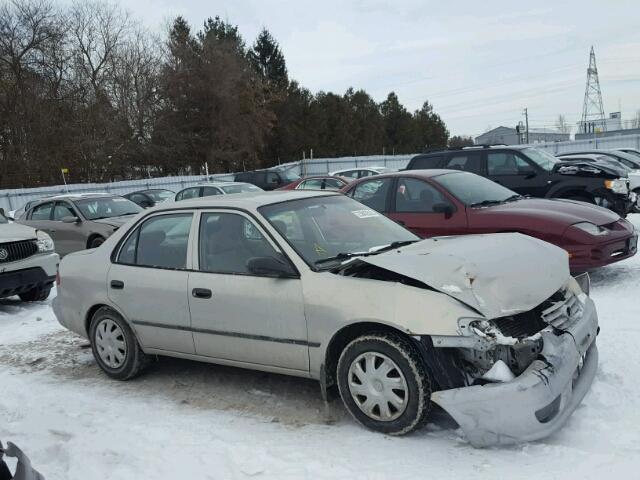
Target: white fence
(13, 199)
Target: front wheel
(35, 295)
(115, 346)
(96, 242)
(383, 383)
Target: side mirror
(70, 219)
(269, 267)
(445, 208)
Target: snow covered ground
(189, 420)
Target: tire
(96, 242)
(115, 346)
(35, 295)
(409, 410)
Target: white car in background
(28, 263)
(215, 188)
(353, 173)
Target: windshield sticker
(319, 250)
(366, 213)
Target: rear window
(420, 163)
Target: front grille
(562, 312)
(521, 325)
(13, 251)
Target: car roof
(248, 201)
(77, 196)
(593, 156)
(428, 173)
(475, 148)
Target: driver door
(69, 236)
(237, 315)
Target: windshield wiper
(347, 255)
(486, 203)
(513, 198)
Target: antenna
(592, 110)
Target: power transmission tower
(592, 110)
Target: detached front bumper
(538, 402)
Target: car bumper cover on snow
(539, 401)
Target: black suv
(268, 179)
(534, 172)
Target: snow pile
(189, 420)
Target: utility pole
(526, 120)
(592, 107)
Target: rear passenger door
(419, 206)
(465, 161)
(148, 281)
(512, 170)
(40, 217)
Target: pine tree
(268, 60)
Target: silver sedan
(492, 327)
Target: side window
(505, 163)
(42, 212)
(373, 193)
(469, 162)
(415, 195)
(426, 163)
(312, 184)
(332, 184)
(210, 191)
(62, 210)
(350, 174)
(273, 178)
(138, 198)
(160, 242)
(228, 241)
(193, 192)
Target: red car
(318, 182)
(451, 202)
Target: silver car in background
(492, 328)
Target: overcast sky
(478, 63)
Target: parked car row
(399, 292)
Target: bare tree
(562, 125)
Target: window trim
(195, 252)
(137, 227)
(447, 196)
(53, 204)
(115, 253)
(516, 154)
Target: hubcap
(378, 386)
(110, 343)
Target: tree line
(85, 88)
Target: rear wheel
(114, 345)
(36, 295)
(96, 242)
(383, 383)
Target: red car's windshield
(472, 189)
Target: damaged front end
(522, 375)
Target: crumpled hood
(14, 232)
(115, 221)
(498, 275)
(609, 169)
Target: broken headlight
(619, 185)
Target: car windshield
(472, 189)
(321, 228)
(544, 160)
(160, 195)
(106, 207)
(241, 188)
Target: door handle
(117, 284)
(201, 293)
